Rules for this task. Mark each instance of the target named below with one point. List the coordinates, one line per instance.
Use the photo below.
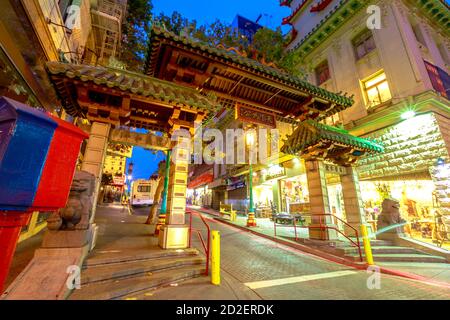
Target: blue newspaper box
(25, 137)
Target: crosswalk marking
(310, 277)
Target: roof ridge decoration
(252, 54)
(286, 3)
(288, 20)
(247, 63)
(321, 5)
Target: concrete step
(408, 257)
(115, 289)
(114, 257)
(379, 250)
(105, 272)
(374, 243)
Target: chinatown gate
(188, 82)
(115, 100)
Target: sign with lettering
(251, 115)
(275, 172)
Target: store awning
(313, 140)
(201, 180)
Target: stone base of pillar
(318, 232)
(161, 222)
(174, 236)
(69, 238)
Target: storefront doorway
(293, 193)
(417, 205)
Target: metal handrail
(323, 227)
(206, 246)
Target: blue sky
(206, 11)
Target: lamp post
(250, 141)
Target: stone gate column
(351, 191)
(94, 156)
(318, 196)
(174, 234)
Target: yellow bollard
(215, 257)
(367, 247)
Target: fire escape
(107, 17)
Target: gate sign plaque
(255, 116)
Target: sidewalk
(122, 232)
(437, 272)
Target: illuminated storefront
(408, 171)
(198, 193)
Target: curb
(327, 256)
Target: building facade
(394, 58)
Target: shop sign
(439, 79)
(332, 168)
(119, 180)
(235, 183)
(275, 172)
(251, 115)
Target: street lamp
(250, 141)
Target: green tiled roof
(246, 63)
(136, 83)
(310, 132)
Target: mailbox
(38, 154)
(59, 168)
(25, 137)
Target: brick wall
(410, 146)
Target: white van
(142, 192)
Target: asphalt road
(277, 272)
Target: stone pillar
(318, 196)
(94, 156)
(352, 201)
(175, 233)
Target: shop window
(377, 90)
(363, 44)
(322, 72)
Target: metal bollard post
(215, 257)
(367, 247)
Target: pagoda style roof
(236, 78)
(126, 98)
(314, 140)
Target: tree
(153, 214)
(136, 28)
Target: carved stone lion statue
(79, 204)
(390, 216)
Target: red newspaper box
(59, 168)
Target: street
(276, 272)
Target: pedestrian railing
(205, 244)
(323, 227)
